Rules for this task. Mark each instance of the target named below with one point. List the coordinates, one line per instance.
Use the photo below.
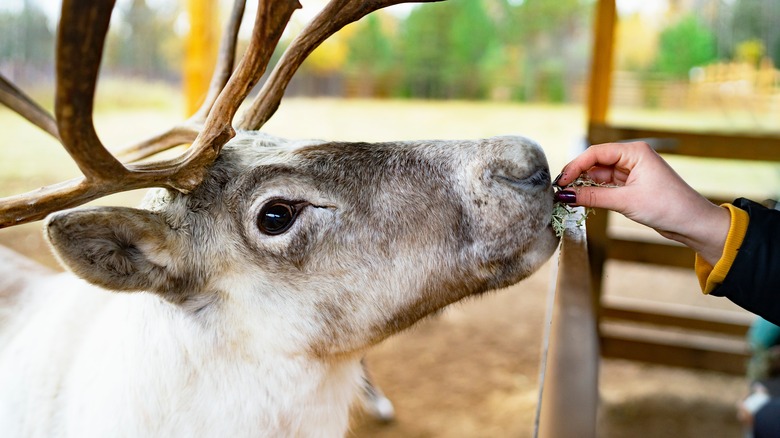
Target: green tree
(141, 43)
(442, 49)
(684, 45)
(370, 56)
(28, 40)
(757, 20)
(554, 40)
(471, 35)
(422, 51)
(369, 48)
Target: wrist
(705, 231)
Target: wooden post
(598, 108)
(601, 62)
(569, 394)
(201, 51)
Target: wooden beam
(598, 250)
(696, 144)
(656, 253)
(719, 321)
(570, 386)
(601, 61)
(200, 51)
(684, 350)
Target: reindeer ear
(117, 248)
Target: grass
(562, 213)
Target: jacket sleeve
(712, 276)
(753, 282)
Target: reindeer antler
(81, 36)
(15, 99)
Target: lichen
(561, 212)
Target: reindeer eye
(276, 217)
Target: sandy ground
(473, 372)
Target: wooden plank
(598, 250)
(674, 349)
(676, 315)
(601, 63)
(570, 386)
(696, 144)
(650, 252)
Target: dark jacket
(753, 281)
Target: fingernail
(565, 197)
(555, 181)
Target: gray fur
(442, 220)
(219, 329)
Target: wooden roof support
(601, 64)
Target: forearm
(703, 228)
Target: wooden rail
(674, 334)
(733, 146)
(570, 365)
(716, 321)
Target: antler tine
(181, 134)
(82, 33)
(18, 101)
(188, 131)
(335, 15)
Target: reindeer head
(340, 243)
(334, 246)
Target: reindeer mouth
(537, 180)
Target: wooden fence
(724, 86)
(568, 399)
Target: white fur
(112, 359)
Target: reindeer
(239, 299)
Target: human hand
(648, 191)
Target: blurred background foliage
(508, 50)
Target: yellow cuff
(711, 276)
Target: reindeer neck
(143, 361)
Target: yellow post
(200, 52)
(601, 64)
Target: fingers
(607, 175)
(619, 157)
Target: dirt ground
(473, 370)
